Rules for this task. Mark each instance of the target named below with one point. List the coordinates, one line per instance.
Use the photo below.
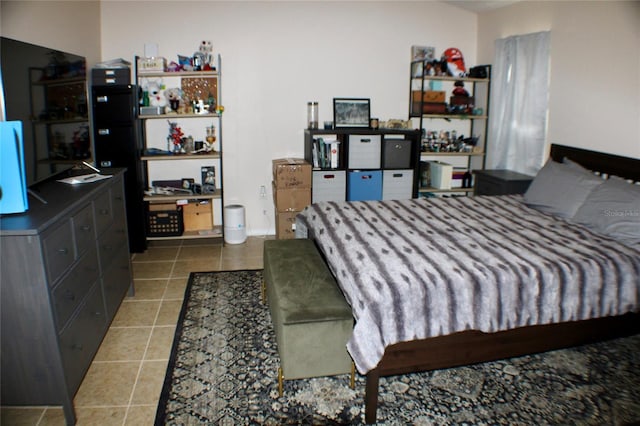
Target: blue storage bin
(364, 185)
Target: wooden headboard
(625, 167)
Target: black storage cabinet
(501, 182)
(117, 143)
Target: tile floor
(123, 384)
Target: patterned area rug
(223, 371)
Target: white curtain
(519, 98)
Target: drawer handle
(104, 212)
(63, 250)
(98, 313)
(365, 140)
(398, 175)
(85, 228)
(329, 176)
(103, 132)
(77, 346)
(69, 295)
(107, 247)
(102, 99)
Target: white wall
(70, 26)
(595, 68)
(279, 55)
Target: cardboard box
(291, 173)
(285, 225)
(291, 200)
(429, 96)
(428, 108)
(197, 216)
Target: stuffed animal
(455, 62)
(174, 98)
(156, 94)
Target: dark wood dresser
(500, 182)
(65, 269)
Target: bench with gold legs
(311, 318)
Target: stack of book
(326, 152)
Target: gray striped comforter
(413, 269)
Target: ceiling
(480, 5)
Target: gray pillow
(613, 209)
(560, 189)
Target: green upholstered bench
(311, 318)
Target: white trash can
(234, 228)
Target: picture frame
(351, 112)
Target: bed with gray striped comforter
(413, 269)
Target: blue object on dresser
(13, 184)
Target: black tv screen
(46, 89)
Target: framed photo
(351, 112)
(423, 53)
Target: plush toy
(455, 62)
(174, 67)
(174, 98)
(156, 94)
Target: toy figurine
(459, 89)
(455, 62)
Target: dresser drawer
(104, 212)
(80, 340)
(58, 250)
(110, 243)
(118, 204)
(84, 229)
(116, 281)
(68, 295)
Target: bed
(447, 282)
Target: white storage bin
(364, 151)
(397, 184)
(441, 174)
(329, 186)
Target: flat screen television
(45, 89)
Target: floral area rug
(223, 371)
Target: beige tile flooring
(123, 384)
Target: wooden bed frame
(471, 347)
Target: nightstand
(500, 182)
